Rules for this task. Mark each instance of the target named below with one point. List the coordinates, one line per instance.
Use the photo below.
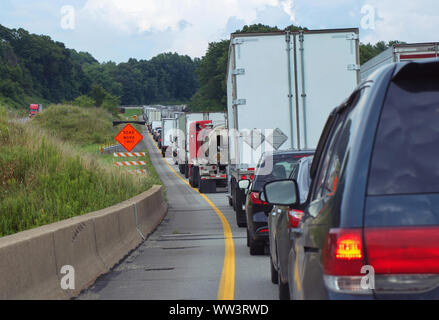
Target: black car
(370, 228)
(282, 221)
(272, 166)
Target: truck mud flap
(207, 186)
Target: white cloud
(405, 20)
(205, 20)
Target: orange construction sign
(129, 137)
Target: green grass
(47, 175)
(132, 112)
(77, 125)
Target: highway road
(197, 253)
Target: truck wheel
(191, 177)
(196, 176)
(241, 218)
(186, 171)
(284, 290)
(274, 273)
(256, 249)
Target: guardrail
(31, 262)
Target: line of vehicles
(345, 199)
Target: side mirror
(244, 184)
(262, 197)
(282, 193)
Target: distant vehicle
(281, 224)
(207, 155)
(35, 109)
(400, 53)
(184, 121)
(281, 87)
(370, 228)
(272, 166)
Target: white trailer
(281, 88)
(168, 134)
(398, 53)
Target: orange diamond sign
(129, 137)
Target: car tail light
(343, 260)
(254, 196)
(404, 259)
(244, 178)
(251, 169)
(403, 250)
(343, 252)
(252, 177)
(294, 218)
(262, 230)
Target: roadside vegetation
(48, 172)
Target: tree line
(36, 69)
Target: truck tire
(193, 180)
(241, 218)
(186, 171)
(256, 248)
(274, 273)
(284, 289)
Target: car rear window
(405, 158)
(283, 165)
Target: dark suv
(272, 166)
(371, 223)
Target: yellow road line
(226, 290)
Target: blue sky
(117, 30)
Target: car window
(320, 179)
(329, 174)
(405, 157)
(283, 165)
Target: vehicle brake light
(294, 218)
(343, 260)
(262, 230)
(403, 250)
(254, 196)
(244, 178)
(252, 177)
(343, 252)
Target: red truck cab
(34, 109)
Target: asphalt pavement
(185, 258)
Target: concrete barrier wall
(31, 261)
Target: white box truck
(168, 134)
(398, 53)
(281, 88)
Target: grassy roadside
(49, 170)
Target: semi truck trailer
(398, 53)
(207, 155)
(183, 126)
(281, 87)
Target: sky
(116, 30)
